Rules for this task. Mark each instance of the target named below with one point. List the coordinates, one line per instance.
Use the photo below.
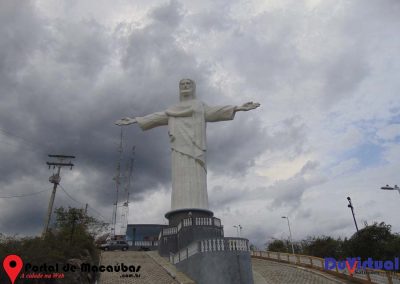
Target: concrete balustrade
(363, 275)
(190, 222)
(210, 245)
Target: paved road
(150, 272)
(271, 272)
(154, 270)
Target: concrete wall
(174, 217)
(221, 267)
(187, 235)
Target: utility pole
(290, 232)
(352, 212)
(55, 180)
(74, 219)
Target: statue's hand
(125, 121)
(249, 106)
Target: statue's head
(187, 89)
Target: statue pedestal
(186, 226)
(194, 241)
(175, 216)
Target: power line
(90, 207)
(23, 195)
(36, 147)
(67, 194)
(7, 133)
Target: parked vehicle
(115, 245)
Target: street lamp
(238, 227)
(352, 212)
(237, 230)
(290, 232)
(387, 187)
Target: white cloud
(344, 167)
(325, 73)
(389, 132)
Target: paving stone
(155, 271)
(150, 272)
(280, 273)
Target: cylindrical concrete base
(175, 216)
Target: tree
(278, 246)
(376, 241)
(76, 230)
(72, 237)
(75, 220)
(323, 246)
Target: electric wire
(35, 147)
(90, 207)
(24, 195)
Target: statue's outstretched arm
(145, 122)
(125, 121)
(247, 106)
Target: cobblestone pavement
(270, 272)
(264, 271)
(150, 271)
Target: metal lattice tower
(125, 206)
(117, 179)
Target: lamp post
(238, 230)
(290, 232)
(352, 212)
(387, 187)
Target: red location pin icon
(12, 265)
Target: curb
(180, 277)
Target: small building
(143, 236)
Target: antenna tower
(117, 179)
(125, 205)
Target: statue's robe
(187, 130)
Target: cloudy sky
(325, 72)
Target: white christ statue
(187, 131)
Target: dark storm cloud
(270, 54)
(290, 191)
(64, 81)
(20, 36)
(82, 46)
(344, 74)
(233, 148)
(20, 32)
(24, 215)
(66, 96)
(22, 219)
(215, 19)
(282, 193)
